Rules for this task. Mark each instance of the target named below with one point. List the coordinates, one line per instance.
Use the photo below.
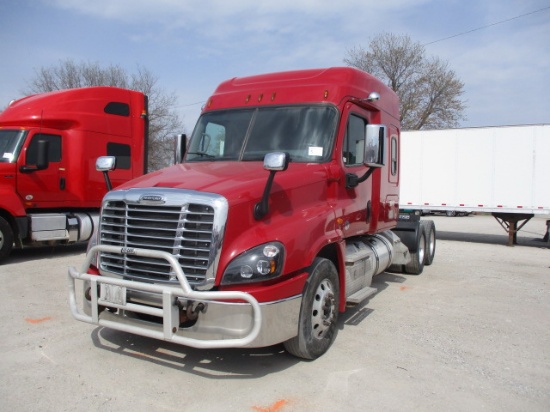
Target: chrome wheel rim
(323, 311)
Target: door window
(354, 145)
(54, 148)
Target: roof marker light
(373, 97)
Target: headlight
(255, 265)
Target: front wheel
(6, 238)
(317, 327)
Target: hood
(236, 181)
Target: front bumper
(232, 319)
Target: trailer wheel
(416, 265)
(6, 238)
(450, 213)
(428, 227)
(317, 327)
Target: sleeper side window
(393, 155)
(122, 154)
(118, 109)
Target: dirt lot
(471, 333)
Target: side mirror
(375, 137)
(42, 160)
(274, 162)
(373, 154)
(180, 147)
(105, 164)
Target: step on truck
(281, 207)
(50, 190)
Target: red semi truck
(49, 143)
(282, 206)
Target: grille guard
(169, 311)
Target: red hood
(236, 181)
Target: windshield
(305, 132)
(10, 144)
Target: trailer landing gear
(509, 222)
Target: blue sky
(193, 45)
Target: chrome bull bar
(169, 313)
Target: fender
(409, 233)
(11, 202)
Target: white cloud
(195, 44)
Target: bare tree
(164, 123)
(429, 91)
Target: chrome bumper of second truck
(225, 323)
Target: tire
(6, 239)
(416, 265)
(450, 213)
(428, 227)
(317, 326)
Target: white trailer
(502, 170)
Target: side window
(393, 155)
(54, 148)
(122, 154)
(118, 109)
(355, 141)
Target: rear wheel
(416, 265)
(428, 227)
(319, 312)
(6, 238)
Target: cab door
(357, 206)
(46, 187)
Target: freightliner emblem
(152, 199)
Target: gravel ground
(471, 333)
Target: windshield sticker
(8, 156)
(315, 151)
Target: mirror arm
(107, 180)
(353, 180)
(262, 207)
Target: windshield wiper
(202, 154)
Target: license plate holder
(113, 294)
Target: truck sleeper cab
(278, 216)
(49, 142)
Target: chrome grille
(187, 231)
